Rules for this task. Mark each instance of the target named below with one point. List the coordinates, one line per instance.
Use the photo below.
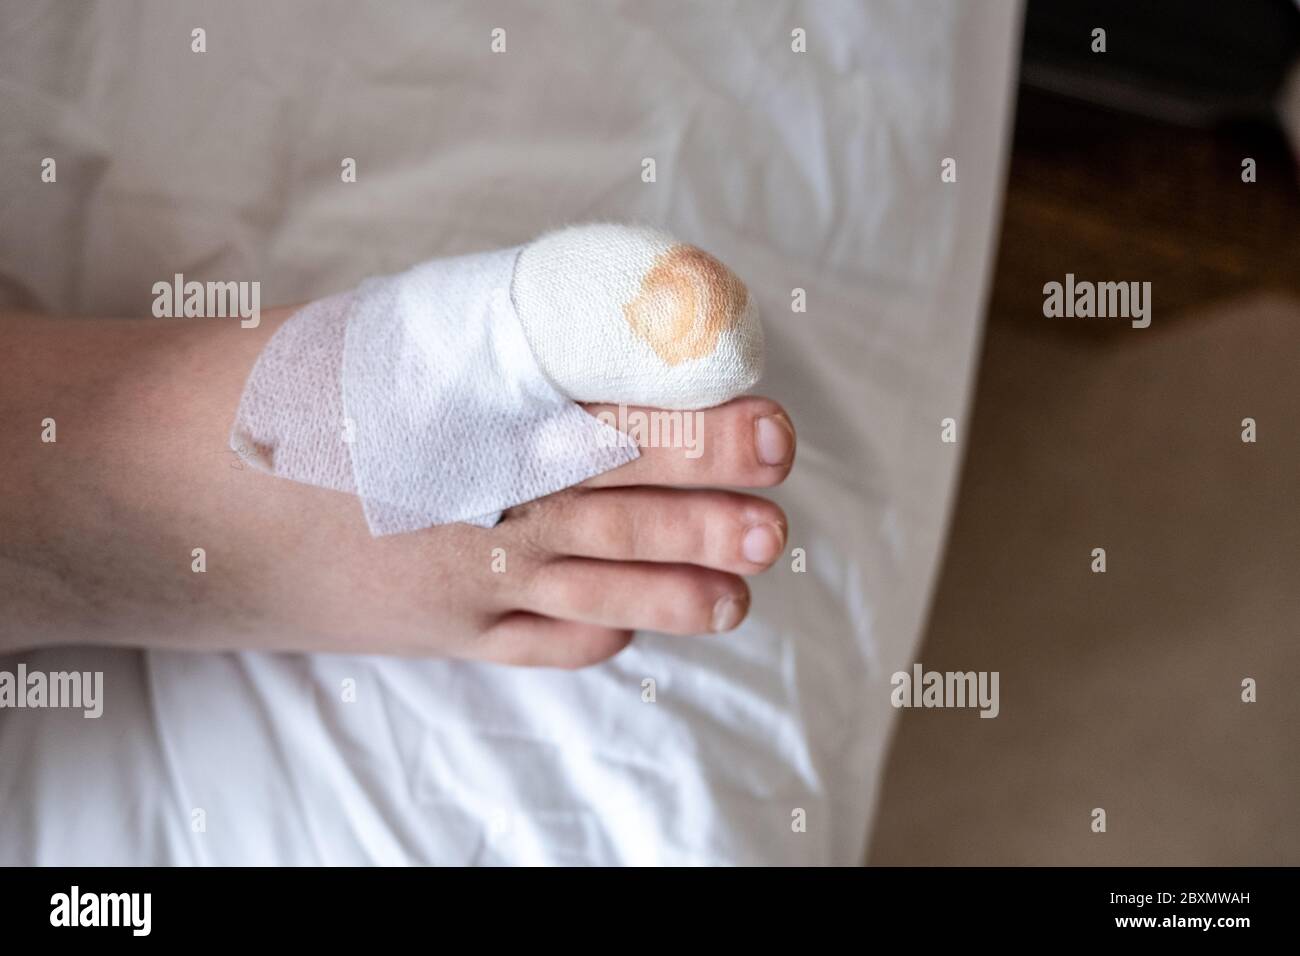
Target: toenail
(761, 544)
(727, 613)
(774, 439)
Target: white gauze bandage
(447, 393)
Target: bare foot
(139, 527)
(562, 581)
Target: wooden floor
(1122, 690)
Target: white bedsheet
(818, 170)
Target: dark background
(1123, 690)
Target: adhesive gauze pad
(446, 393)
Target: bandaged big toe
(448, 393)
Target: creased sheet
(817, 171)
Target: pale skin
(97, 529)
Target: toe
(672, 598)
(747, 443)
(531, 640)
(724, 530)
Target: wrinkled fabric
(816, 171)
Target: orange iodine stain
(687, 299)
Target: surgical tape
(447, 393)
